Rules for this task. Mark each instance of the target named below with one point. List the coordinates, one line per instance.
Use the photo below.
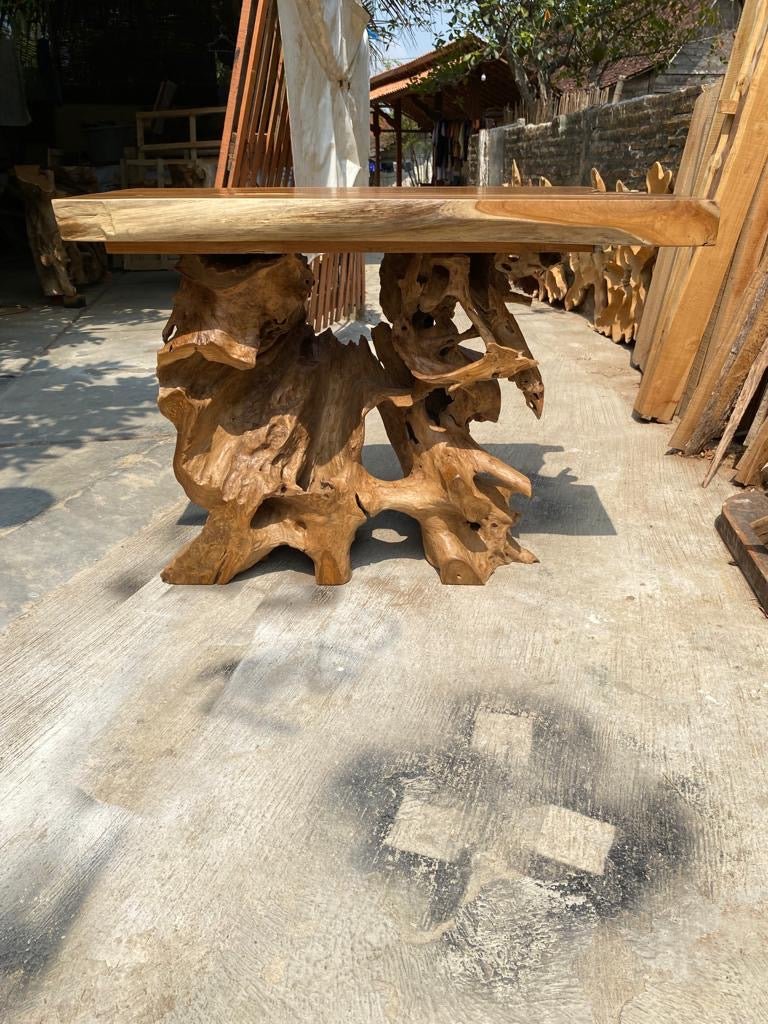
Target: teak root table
(270, 417)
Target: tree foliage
(553, 41)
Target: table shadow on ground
(561, 505)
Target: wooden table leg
(270, 417)
(458, 492)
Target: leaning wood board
(381, 219)
(742, 161)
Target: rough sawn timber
(385, 220)
(670, 363)
(741, 526)
(270, 417)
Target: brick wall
(622, 140)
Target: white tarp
(325, 48)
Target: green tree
(551, 41)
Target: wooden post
(376, 146)
(193, 135)
(241, 59)
(399, 141)
(438, 117)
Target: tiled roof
(394, 79)
(626, 67)
(492, 81)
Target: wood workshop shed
(435, 101)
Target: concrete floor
(541, 801)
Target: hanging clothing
(450, 152)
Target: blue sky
(409, 46)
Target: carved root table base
(270, 417)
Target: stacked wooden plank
(702, 339)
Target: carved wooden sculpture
(617, 276)
(61, 266)
(270, 417)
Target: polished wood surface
(381, 219)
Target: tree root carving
(270, 418)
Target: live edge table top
(436, 220)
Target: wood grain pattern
(385, 220)
(707, 410)
(669, 261)
(733, 188)
(726, 374)
(755, 458)
(749, 390)
(672, 262)
(702, 159)
(246, 248)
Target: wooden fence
(543, 110)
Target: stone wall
(622, 140)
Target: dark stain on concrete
(373, 789)
(214, 679)
(573, 764)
